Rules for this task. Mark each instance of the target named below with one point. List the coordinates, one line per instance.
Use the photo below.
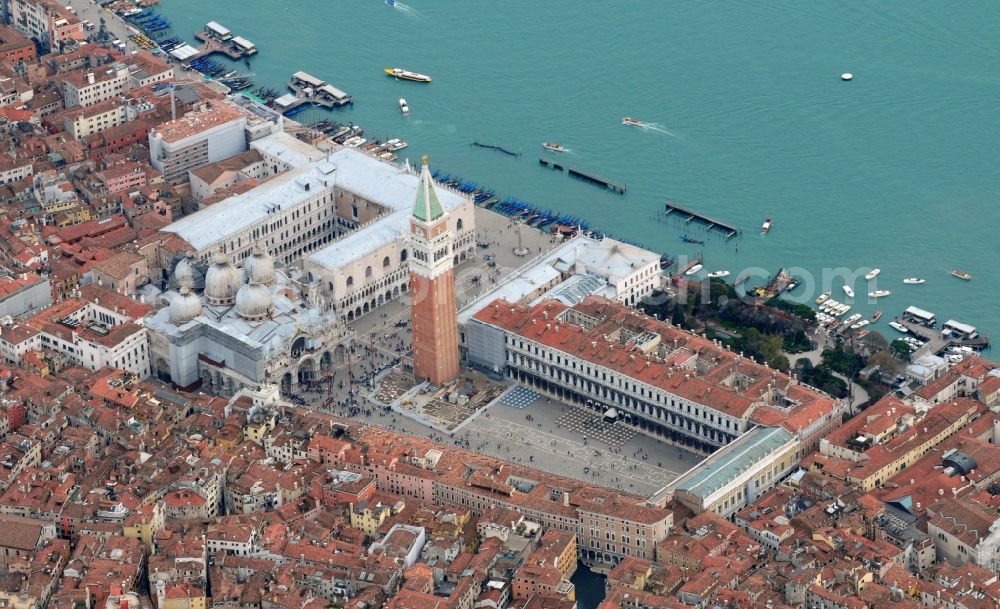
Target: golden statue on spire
(425, 159)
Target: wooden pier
(935, 342)
(692, 216)
(552, 164)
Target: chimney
(565, 499)
(90, 78)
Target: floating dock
(588, 177)
(552, 164)
(497, 148)
(692, 216)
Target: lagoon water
(896, 169)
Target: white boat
(719, 274)
(405, 109)
(873, 274)
(895, 325)
(693, 270)
(554, 147)
(849, 291)
(879, 293)
(822, 297)
(847, 76)
(914, 281)
(395, 144)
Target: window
(350, 281)
(459, 224)
(368, 272)
(385, 262)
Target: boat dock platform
(235, 48)
(552, 164)
(729, 230)
(935, 342)
(310, 90)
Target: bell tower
(432, 287)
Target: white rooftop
(184, 52)
(385, 184)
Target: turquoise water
(896, 169)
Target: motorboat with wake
(403, 107)
(719, 274)
(766, 226)
(407, 75)
(554, 147)
(631, 122)
(914, 281)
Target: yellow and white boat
(407, 75)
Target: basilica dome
(184, 307)
(221, 282)
(259, 268)
(253, 302)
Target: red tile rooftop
(695, 368)
(197, 122)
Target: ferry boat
(823, 297)
(876, 315)
(407, 75)
(895, 325)
(961, 275)
(766, 227)
(405, 109)
(693, 270)
(554, 147)
(879, 294)
(631, 121)
(719, 274)
(914, 281)
(873, 274)
(849, 291)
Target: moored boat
(895, 325)
(849, 291)
(823, 297)
(631, 121)
(961, 275)
(693, 270)
(873, 274)
(407, 75)
(403, 107)
(766, 226)
(719, 274)
(863, 333)
(876, 315)
(914, 281)
(554, 147)
(688, 239)
(879, 293)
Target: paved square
(591, 425)
(519, 397)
